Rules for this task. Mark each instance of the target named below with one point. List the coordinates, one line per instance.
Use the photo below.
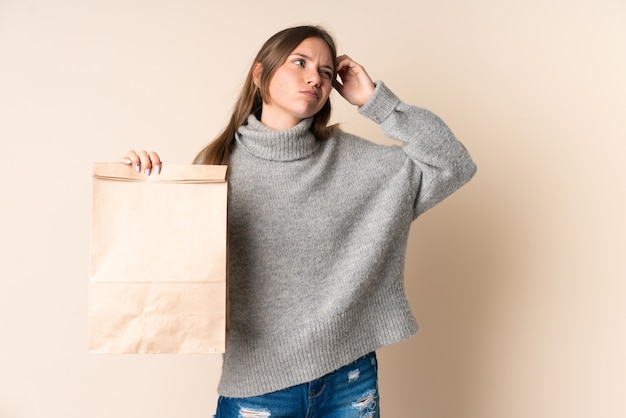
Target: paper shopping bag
(157, 277)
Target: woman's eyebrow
(301, 55)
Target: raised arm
(443, 164)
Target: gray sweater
(318, 232)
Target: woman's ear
(257, 70)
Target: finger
(342, 58)
(345, 62)
(342, 62)
(146, 163)
(131, 158)
(156, 161)
(125, 160)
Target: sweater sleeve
(443, 164)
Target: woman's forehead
(315, 48)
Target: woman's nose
(313, 77)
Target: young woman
(318, 227)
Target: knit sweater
(318, 231)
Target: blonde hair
(271, 56)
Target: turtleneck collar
(289, 145)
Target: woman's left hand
(356, 86)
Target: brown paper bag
(157, 279)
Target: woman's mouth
(310, 93)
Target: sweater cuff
(382, 104)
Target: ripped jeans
(349, 392)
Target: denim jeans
(349, 392)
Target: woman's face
(300, 86)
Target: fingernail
(138, 167)
(157, 169)
(147, 171)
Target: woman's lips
(312, 94)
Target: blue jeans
(349, 392)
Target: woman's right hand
(143, 161)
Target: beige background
(517, 280)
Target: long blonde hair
(271, 56)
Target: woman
(318, 227)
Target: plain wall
(518, 280)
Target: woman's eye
(299, 62)
(327, 74)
